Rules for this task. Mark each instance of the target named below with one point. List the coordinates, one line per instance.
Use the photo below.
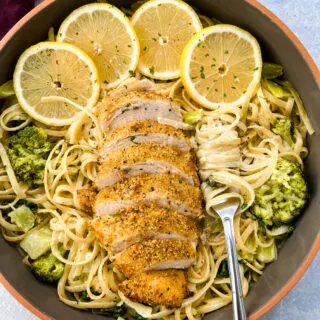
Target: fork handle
(239, 312)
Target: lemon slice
(106, 35)
(221, 66)
(163, 27)
(55, 69)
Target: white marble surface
(303, 17)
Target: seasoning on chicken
(156, 255)
(86, 200)
(143, 132)
(165, 288)
(136, 224)
(164, 189)
(136, 106)
(148, 158)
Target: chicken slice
(164, 189)
(136, 106)
(148, 158)
(156, 255)
(86, 199)
(142, 132)
(132, 84)
(135, 224)
(166, 288)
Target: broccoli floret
(284, 127)
(283, 196)
(47, 268)
(28, 151)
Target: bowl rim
(316, 244)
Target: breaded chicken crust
(142, 132)
(141, 223)
(148, 255)
(165, 288)
(113, 103)
(145, 127)
(114, 112)
(152, 186)
(87, 199)
(118, 160)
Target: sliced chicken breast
(166, 288)
(148, 158)
(136, 106)
(86, 200)
(135, 224)
(164, 189)
(132, 84)
(156, 255)
(142, 132)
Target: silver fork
(227, 210)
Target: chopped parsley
(202, 75)
(151, 69)
(116, 214)
(126, 170)
(132, 139)
(214, 184)
(244, 206)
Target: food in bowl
(104, 138)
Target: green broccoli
(47, 268)
(284, 231)
(271, 70)
(268, 254)
(223, 271)
(23, 217)
(193, 117)
(277, 89)
(284, 127)
(28, 151)
(283, 196)
(6, 89)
